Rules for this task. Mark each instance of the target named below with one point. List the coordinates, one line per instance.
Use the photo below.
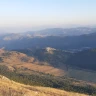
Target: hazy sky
(28, 14)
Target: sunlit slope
(19, 61)
(11, 88)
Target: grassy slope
(15, 60)
(11, 88)
(57, 58)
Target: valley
(46, 67)
(39, 61)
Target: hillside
(85, 59)
(23, 63)
(36, 70)
(80, 65)
(54, 57)
(11, 88)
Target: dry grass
(11, 88)
(14, 59)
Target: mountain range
(25, 40)
(58, 58)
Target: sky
(22, 15)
